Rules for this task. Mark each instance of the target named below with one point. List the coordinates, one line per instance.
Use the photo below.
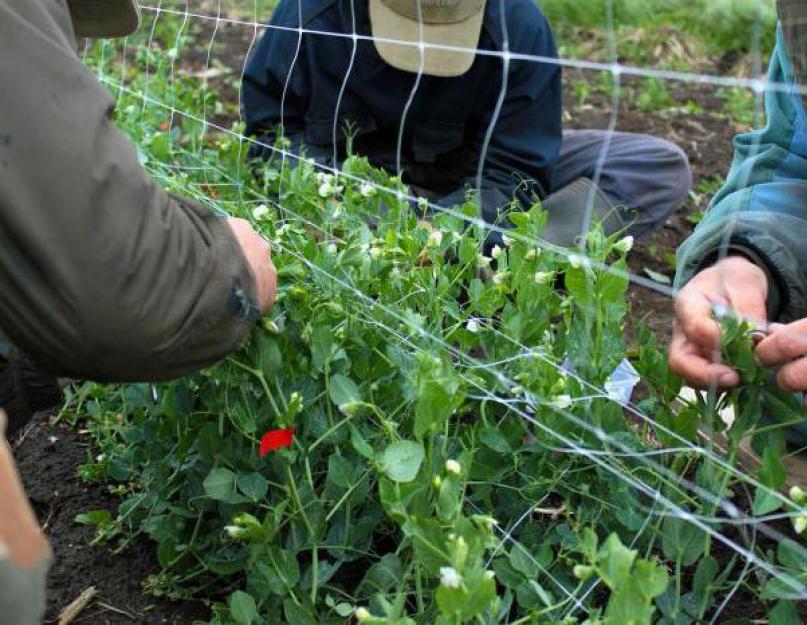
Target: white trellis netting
(211, 40)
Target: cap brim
(390, 26)
(104, 18)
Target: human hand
(786, 344)
(734, 283)
(258, 254)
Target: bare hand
(735, 283)
(259, 258)
(786, 344)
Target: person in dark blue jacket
(438, 100)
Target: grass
(725, 25)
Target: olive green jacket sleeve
(102, 273)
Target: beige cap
(104, 18)
(456, 23)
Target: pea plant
(429, 428)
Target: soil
(706, 139)
(48, 455)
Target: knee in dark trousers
(647, 176)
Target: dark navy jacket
(448, 118)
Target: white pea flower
(532, 253)
(453, 467)
(326, 189)
(624, 245)
(331, 249)
(482, 262)
(337, 210)
(362, 614)
(423, 203)
(490, 574)
(375, 252)
(496, 252)
(544, 277)
(449, 577)
(800, 524)
(517, 390)
(500, 277)
(506, 240)
(260, 211)
(576, 261)
(235, 532)
(798, 495)
(367, 190)
(99, 458)
(561, 402)
(472, 326)
(435, 238)
(322, 177)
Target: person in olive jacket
(103, 274)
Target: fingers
(687, 360)
(693, 312)
(793, 377)
(258, 255)
(747, 300)
(784, 343)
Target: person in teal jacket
(750, 251)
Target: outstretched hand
(258, 254)
(734, 283)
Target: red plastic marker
(275, 439)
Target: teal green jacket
(761, 211)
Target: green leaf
(615, 562)
(220, 485)
(269, 358)
(705, 575)
(430, 543)
(773, 475)
(493, 439)
(433, 407)
(681, 538)
(362, 447)
(383, 575)
(655, 276)
(343, 391)
(297, 614)
(401, 461)
(242, 607)
(790, 554)
(253, 485)
(785, 613)
(97, 518)
(449, 499)
(523, 561)
(341, 471)
(653, 578)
